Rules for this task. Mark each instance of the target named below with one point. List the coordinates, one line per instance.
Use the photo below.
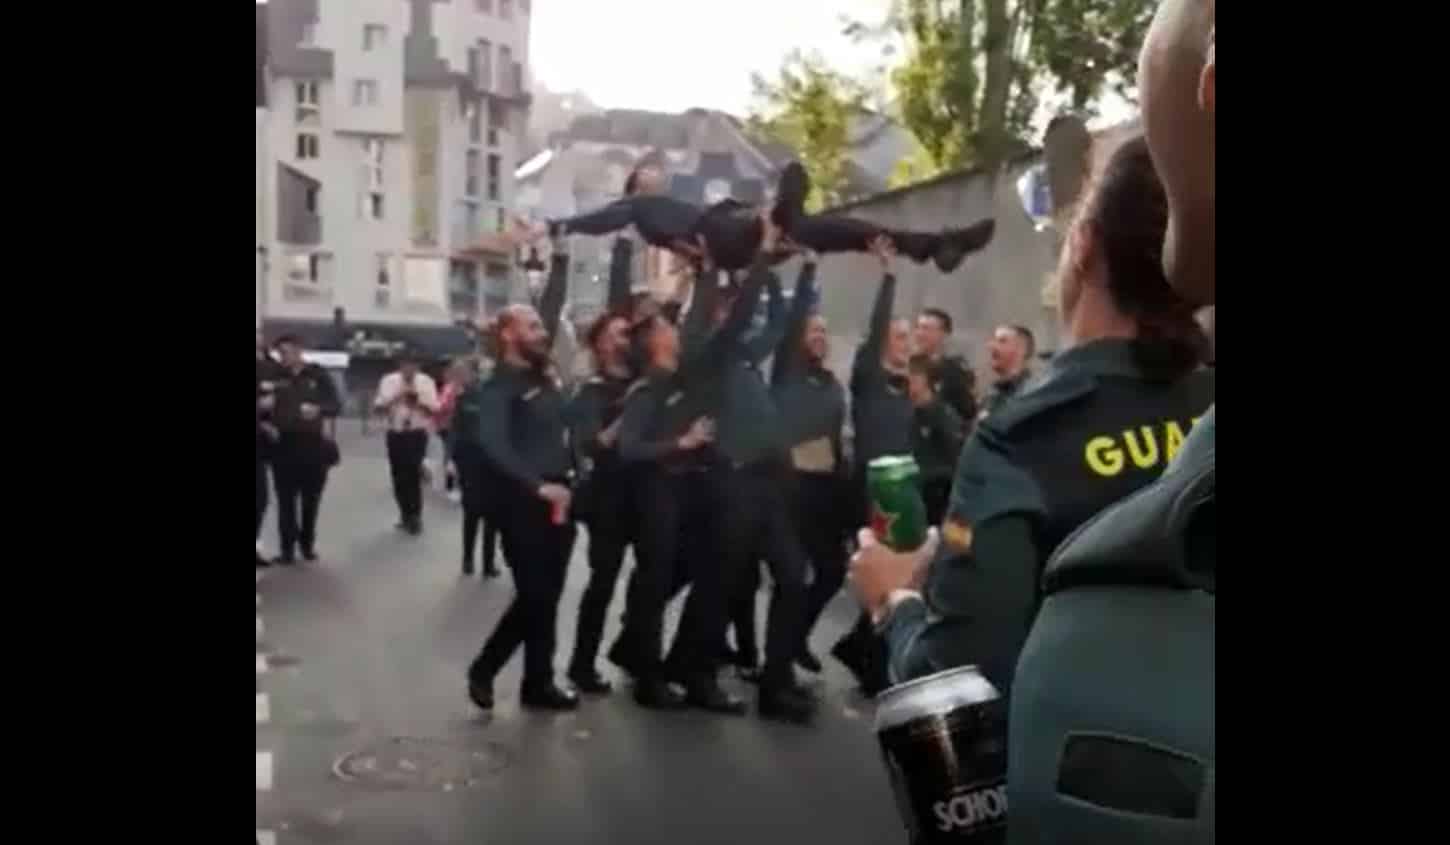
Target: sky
(670, 55)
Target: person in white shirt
(408, 399)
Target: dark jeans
(537, 551)
(611, 529)
(674, 507)
(406, 450)
(754, 522)
(261, 498)
(299, 474)
(820, 508)
(474, 481)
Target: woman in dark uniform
(1103, 421)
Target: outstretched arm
(619, 267)
(868, 356)
(769, 338)
(611, 218)
(551, 301)
(788, 352)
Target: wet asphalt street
(365, 733)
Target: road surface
(365, 733)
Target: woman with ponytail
(1103, 421)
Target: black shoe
(284, 560)
(591, 682)
(658, 695)
(262, 563)
(620, 657)
(707, 695)
(481, 693)
(415, 527)
(790, 196)
(549, 698)
(808, 662)
(467, 566)
(957, 244)
(749, 674)
(786, 705)
(309, 555)
(848, 653)
(490, 570)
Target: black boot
(957, 244)
(790, 196)
(549, 698)
(658, 695)
(590, 681)
(706, 694)
(786, 704)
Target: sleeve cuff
(901, 607)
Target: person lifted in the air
(731, 231)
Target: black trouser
(754, 522)
(406, 450)
(261, 498)
(611, 528)
(673, 506)
(450, 478)
(474, 480)
(734, 237)
(820, 503)
(299, 473)
(538, 553)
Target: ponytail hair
(1128, 211)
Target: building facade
(390, 143)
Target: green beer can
(898, 514)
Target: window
(495, 165)
(506, 9)
(470, 173)
(475, 124)
(312, 196)
(495, 122)
(314, 267)
(502, 221)
(484, 79)
(505, 61)
(485, 6)
(307, 94)
(374, 36)
(470, 221)
(307, 146)
(374, 206)
(385, 277)
(364, 92)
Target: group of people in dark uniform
(296, 408)
(680, 448)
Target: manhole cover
(426, 764)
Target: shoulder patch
(1053, 390)
(639, 384)
(956, 533)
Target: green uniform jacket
(1091, 431)
(1113, 707)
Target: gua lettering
(971, 809)
(1145, 447)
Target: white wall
(344, 21)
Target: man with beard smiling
(522, 431)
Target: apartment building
(391, 139)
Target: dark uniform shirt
(1004, 390)
(521, 426)
(811, 400)
(956, 384)
(662, 406)
(597, 404)
(936, 440)
(881, 411)
(309, 385)
(748, 425)
(1092, 430)
(1138, 580)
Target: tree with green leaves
(973, 71)
(811, 109)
